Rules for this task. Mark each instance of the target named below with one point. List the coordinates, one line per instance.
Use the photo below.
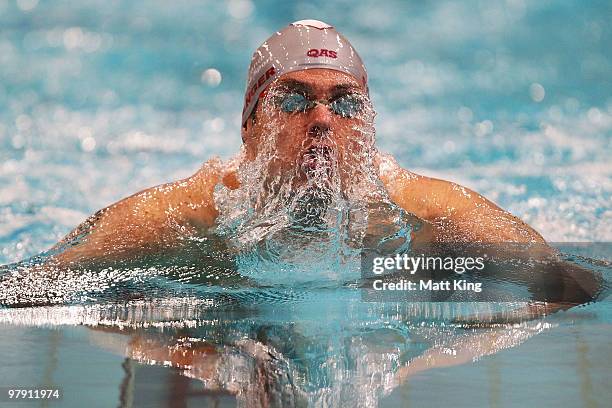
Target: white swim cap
(305, 44)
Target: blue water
(102, 99)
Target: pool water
(102, 99)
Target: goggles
(345, 106)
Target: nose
(320, 119)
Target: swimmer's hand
(558, 286)
(155, 220)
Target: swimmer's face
(306, 138)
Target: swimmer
(308, 86)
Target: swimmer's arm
(470, 215)
(457, 213)
(150, 221)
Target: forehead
(321, 79)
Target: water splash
(303, 212)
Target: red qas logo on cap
(316, 52)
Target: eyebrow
(304, 87)
(344, 87)
(297, 85)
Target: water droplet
(211, 77)
(215, 125)
(88, 144)
(240, 9)
(594, 115)
(27, 5)
(537, 92)
(464, 114)
(73, 37)
(483, 128)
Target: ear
(248, 138)
(245, 131)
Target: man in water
(307, 120)
(308, 145)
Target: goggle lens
(347, 106)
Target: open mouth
(317, 157)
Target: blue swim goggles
(346, 106)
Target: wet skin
(140, 223)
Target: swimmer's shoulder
(215, 171)
(199, 191)
(423, 196)
(426, 197)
